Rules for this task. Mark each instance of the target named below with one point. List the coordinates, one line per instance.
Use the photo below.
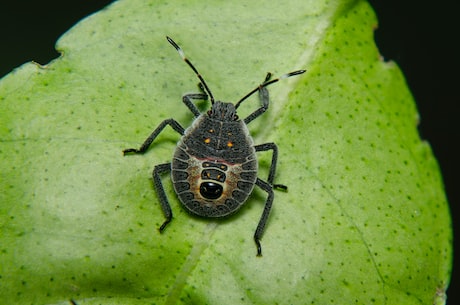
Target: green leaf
(365, 219)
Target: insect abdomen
(209, 187)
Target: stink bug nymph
(214, 167)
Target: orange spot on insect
(229, 144)
(207, 140)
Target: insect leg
(264, 99)
(263, 94)
(204, 86)
(187, 99)
(263, 219)
(157, 171)
(171, 122)
(272, 171)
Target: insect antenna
(182, 54)
(268, 82)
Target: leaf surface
(365, 219)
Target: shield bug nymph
(214, 167)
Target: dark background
(421, 36)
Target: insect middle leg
(272, 171)
(171, 122)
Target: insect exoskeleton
(214, 168)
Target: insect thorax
(214, 166)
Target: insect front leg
(264, 100)
(188, 100)
(157, 171)
(266, 212)
(272, 171)
(171, 122)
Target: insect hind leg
(165, 206)
(266, 212)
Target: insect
(214, 167)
